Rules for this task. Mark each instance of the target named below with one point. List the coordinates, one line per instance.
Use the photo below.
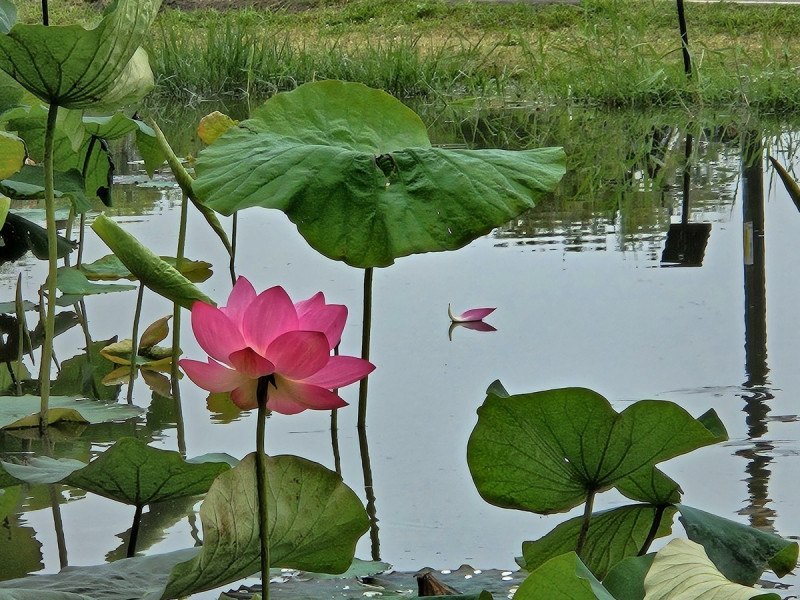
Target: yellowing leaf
(54, 415)
(214, 125)
(156, 332)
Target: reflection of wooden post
(755, 284)
(755, 336)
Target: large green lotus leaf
(73, 282)
(13, 409)
(682, 571)
(564, 577)
(142, 577)
(135, 473)
(146, 266)
(43, 469)
(547, 451)
(354, 169)
(12, 154)
(77, 144)
(740, 552)
(134, 83)
(650, 485)
(21, 551)
(28, 183)
(75, 67)
(110, 267)
(344, 114)
(30, 123)
(315, 522)
(626, 580)
(613, 536)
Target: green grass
(617, 53)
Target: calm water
(583, 299)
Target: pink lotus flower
(474, 314)
(266, 334)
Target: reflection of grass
(604, 52)
(625, 168)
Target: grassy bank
(601, 53)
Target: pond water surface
(583, 298)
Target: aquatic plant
(74, 68)
(279, 354)
(550, 451)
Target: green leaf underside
(650, 485)
(740, 552)
(135, 473)
(76, 67)
(682, 571)
(613, 535)
(315, 522)
(545, 452)
(146, 266)
(564, 577)
(362, 183)
(15, 408)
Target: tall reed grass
(602, 53)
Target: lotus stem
(369, 490)
(587, 517)
(52, 255)
(651, 535)
(234, 237)
(176, 333)
(134, 340)
(21, 332)
(262, 482)
(366, 331)
(337, 458)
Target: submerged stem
(137, 521)
(366, 331)
(52, 256)
(262, 481)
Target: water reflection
(686, 242)
(757, 391)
